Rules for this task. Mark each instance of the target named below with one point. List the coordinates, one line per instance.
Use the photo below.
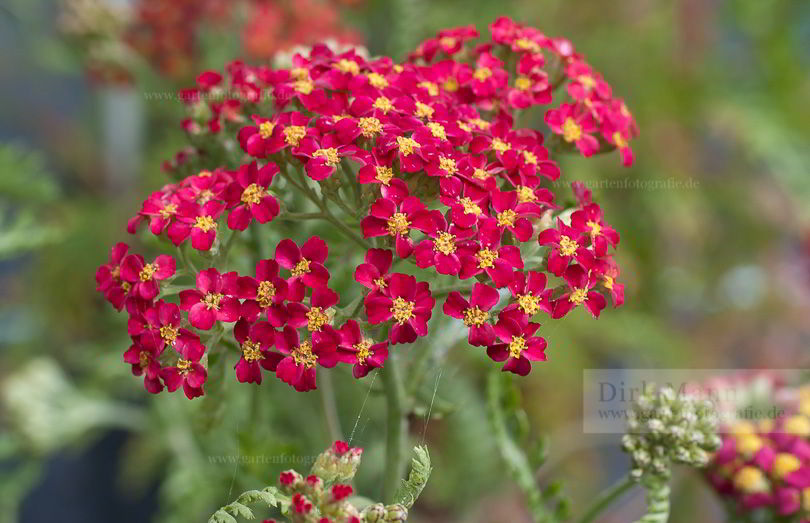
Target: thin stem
(295, 216)
(328, 400)
(605, 498)
(396, 428)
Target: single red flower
(188, 371)
(323, 155)
(143, 357)
(354, 348)
(529, 291)
(198, 221)
(317, 317)
(108, 277)
(475, 312)
(305, 265)
(408, 303)
(519, 346)
(579, 293)
(373, 274)
(144, 277)
(387, 218)
(440, 248)
(566, 244)
(298, 366)
(574, 127)
(213, 300)
(255, 341)
(248, 198)
(488, 255)
(589, 220)
(264, 294)
(378, 170)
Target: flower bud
(395, 513)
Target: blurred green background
(715, 253)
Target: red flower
(474, 313)
(362, 352)
(323, 155)
(567, 244)
(213, 299)
(487, 255)
(162, 322)
(317, 317)
(144, 361)
(297, 367)
(409, 303)
(108, 277)
(264, 293)
(373, 274)
(248, 198)
(198, 221)
(530, 292)
(144, 277)
(440, 249)
(387, 218)
(519, 346)
(378, 170)
(255, 341)
(305, 264)
(579, 293)
(574, 128)
(511, 215)
(188, 371)
(589, 220)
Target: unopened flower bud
(374, 513)
(395, 513)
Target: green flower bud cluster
(665, 428)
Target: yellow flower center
(748, 444)
(448, 165)
(526, 194)
(486, 258)
(253, 194)
(212, 299)
(750, 480)
(423, 110)
(251, 351)
(205, 223)
(398, 224)
(147, 272)
(523, 83)
(445, 243)
(500, 146)
(294, 134)
(383, 104)
(402, 310)
(384, 174)
(316, 318)
(377, 80)
(302, 355)
(475, 316)
(266, 129)
(480, 123)
(784, 464)
(126, 286)
(587, 81)
(619, 140)
(380, 283)
(595, 227)
(168, 210)
(480, 174)
(568, 246)
(184, 366)
(437, 130)
(516, 346)
(571, 130)
(529, 304)
(363, 350)
(447, 41)
(578, 296)
(369, 126)
(470, 207)
(265, 294)
(204, 174)
(529, 157)
(299, 73)
(169, 333)
(348, 66)
(330, 155)
(407, 145)
(143, 359)
(301, 268)
(432, 89)
(507, 218)
(205, 197)
(451, 84)
(482, 73)
(608, 282)
(463, 126)
(528, 45)
(305, 86)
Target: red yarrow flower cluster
(427, 167)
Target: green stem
(396, 428)
(606, 498)
(444, 291)
(329, 402)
